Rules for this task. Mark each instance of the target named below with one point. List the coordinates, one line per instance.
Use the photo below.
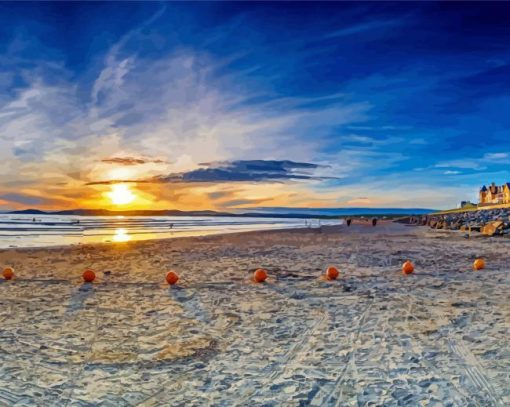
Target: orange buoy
(407, 267)
(260, 275)
(478, 264)
(172, 277)
(88, 275)
(332, 273)
(8, 273)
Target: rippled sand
(374, 337)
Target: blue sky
(237, 105)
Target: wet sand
(374, 337)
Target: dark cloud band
(237, 171)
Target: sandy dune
(374, 337)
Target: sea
(56, 230)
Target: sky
(231, 106)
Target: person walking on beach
(348, 220)
(374, 221)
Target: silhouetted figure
(349, 220)
(374, 221)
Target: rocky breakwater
(489, 222)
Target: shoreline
(313, 229)
(128, 229)
(163, 239)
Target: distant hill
(29, 212)
(276, 212)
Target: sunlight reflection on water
(121, 235)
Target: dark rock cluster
(488, 222)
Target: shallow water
(56, 230)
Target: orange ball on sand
(478, 264)
(172, 277)
(407, 267)
(89, 275)
(260, 275)
(8, 273)
(332, 273)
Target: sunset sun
(121, 194)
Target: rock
(492, 228)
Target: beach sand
(437, 337)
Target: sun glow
(121, 194)
(121, 235)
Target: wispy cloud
(468, 164)
(477, 163)
(22, 198)
(496, 156)
(123, 181)
(131, 161)
(375, 25)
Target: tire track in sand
(474, 370)
(293, 354)
(337, 388)
(418, 348)
(472, 366)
